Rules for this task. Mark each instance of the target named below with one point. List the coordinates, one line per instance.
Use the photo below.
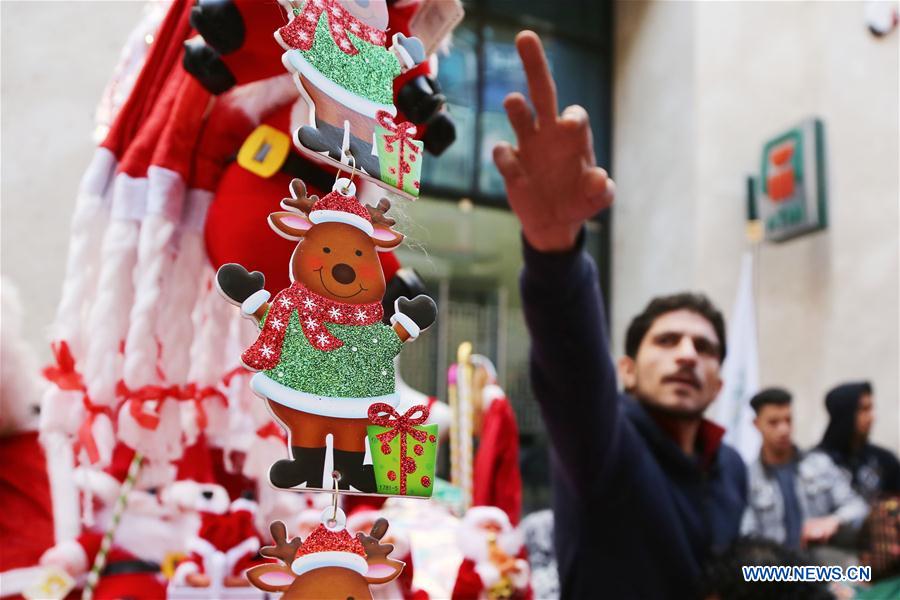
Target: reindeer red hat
(330, 548)
(342, 207)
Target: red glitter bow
(314, 311)
(147, 393)
(403, 425)
(63, 373)
(404, 134)
(301, 31)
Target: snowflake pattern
(360, 315)
(277, 323)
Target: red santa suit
(226, 545)
(478, 577)
(497, 480)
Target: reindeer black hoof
(306, 468)
(421, 309)
(236, 284)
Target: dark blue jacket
(635, 516)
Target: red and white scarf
(314, 311)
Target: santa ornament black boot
(306, 466)
(353, 472)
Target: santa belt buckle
(264, 151)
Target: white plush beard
(473, 543)
(151, 537)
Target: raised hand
(552, 180)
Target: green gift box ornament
(399, 153)
(404, 451)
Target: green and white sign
(793, 198)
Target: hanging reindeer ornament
(324, 358)
(329, 564)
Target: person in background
(796, 498)
(874, 471)
(644, 490)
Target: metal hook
(334, 497)
(352, 171)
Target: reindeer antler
(299, 201)
(379, 213)
(372, 542)
(283, 550)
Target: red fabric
(196, 463)
(232, 479)
(222, 136)
(468, 584)
(260, 55)
(497, 480)
(228, 530)
(140, 586)
(400, 16)
(710, 436)
(165, 54)
(175, 149)
(26, 517)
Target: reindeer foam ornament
(336, 49)
(329, 564)
(324, 359)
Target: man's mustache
(683, 376)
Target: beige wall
(56, 60)
(698, 88)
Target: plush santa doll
(160, 515)
(225, 547)
(494, 565)
(362, 521)
(497, 479)
(37, 493)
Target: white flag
(741, 371)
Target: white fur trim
(16, 581)
(520, 578)
(490, 393)
(488, 573)
(479, 515)
(244, 504)
(63, 494)
(202, 547)
(165, 193)
(408, 324)
(99, 172)
(193, 217)
(68, 555)
(256, 299)
(343, 408)
(129, 198)
(294, 60)
(340, 216)
(317, 560)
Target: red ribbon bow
(404, 134)
(197, 395)
(147, 393)
(403, 425)
(63, 373)
(86, 439)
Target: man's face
(776, 426)
(864, 416)
(676, 368)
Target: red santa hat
(330, 548)
(341, 206)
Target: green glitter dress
(341, 382)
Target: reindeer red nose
(343, 273)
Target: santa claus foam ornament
(336, 50)
(324, 358)
(329, 564)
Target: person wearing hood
(873, 470)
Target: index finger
(541, 86)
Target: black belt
(129, 567)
